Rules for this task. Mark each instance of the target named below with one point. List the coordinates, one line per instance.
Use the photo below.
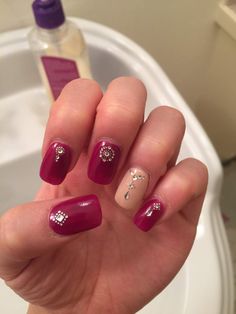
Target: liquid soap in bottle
(58, 46)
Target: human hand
(50, 259)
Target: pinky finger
(181, 190)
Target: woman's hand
(99, 145)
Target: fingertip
(74, 87)
(134, 84)
(200, 168)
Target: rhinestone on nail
(107, 154)
(59, 152)
(131, 185)
(127, 196)
(155, 206)
(59, 218)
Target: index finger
(69, 126)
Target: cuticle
(142, 169)
(159, 198)
(59, 141)
(107, 139)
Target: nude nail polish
(76, 215)
(104, 162)
(56, 163)
(132, 188)
(149, 214)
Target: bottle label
(59, 72)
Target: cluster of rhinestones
(59, 152)
(106, 153)
(155, 206)
(131, 185)
(59, 218)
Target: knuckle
(161, 149)
(156, 157)
(118, 111)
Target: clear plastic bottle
(58, 46)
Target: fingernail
(149, 214)
(76, 215)
(56, 163)
(103, 162)
(132, 188)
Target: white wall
(181, 35)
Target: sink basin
(23, 114)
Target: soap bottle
(58, 46)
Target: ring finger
(154, 150)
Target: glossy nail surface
(132, 188)
(104, 162)
(76, 215)
(149, 214)
(56, 163)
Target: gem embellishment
(131, 185)
(107, 154)
(59, 152)
(155, 206)
(59, 218)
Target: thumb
(30, 230)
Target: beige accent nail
(132, 188)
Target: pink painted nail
(104, 162)
(149, 214)
(76, 215)
(56, 163)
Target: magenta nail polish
(104, 162)
(76, 215)
(56, 163)
(149, 214)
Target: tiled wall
(182, 36)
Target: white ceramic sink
(204, 285)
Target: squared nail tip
(142, 228)
(99, 181)
(51, 181)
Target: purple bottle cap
(48, 13)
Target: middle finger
(119, 117)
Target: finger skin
(158, 141)
(72, 116)
(183, 186)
